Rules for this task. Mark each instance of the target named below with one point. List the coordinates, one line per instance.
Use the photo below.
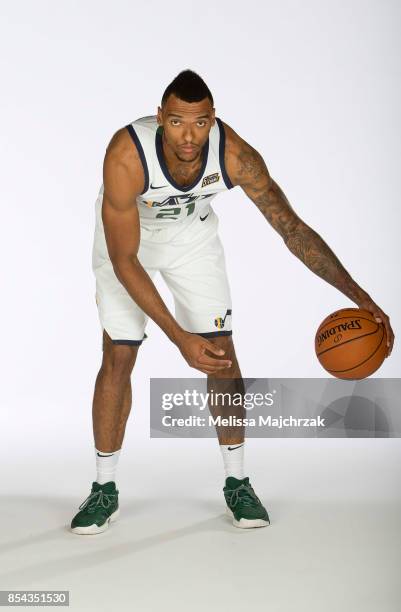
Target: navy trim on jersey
(137, 142)
(130, 342)
(222, 147)
(223, 332)
(163, 165)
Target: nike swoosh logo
(203, 218)
(161, 187)
(234, 447)
(99, 455)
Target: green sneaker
(98, 509)
(243, 505)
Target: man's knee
(226, 343)
(119, 358)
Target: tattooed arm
(246, 168)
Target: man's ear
(159, 115)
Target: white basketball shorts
(190, 258)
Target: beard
(189, 159)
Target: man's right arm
(123, 180)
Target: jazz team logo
(219, 321)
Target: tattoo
(301, 240)
(250, 166)
(182, 175)
(313, 251)
(274, 205)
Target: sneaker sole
(244, 523)
(93, 529)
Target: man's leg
(227, 381)
(228, 384)
(113, 396)
(243, 505)
(111, 408)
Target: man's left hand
(380, 317)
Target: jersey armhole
(222, 148)
(141, 153)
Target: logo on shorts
(210, 178)
(219, 321)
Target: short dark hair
(189, 87)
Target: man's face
(186, 126)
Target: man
(153, 213)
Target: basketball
(351, 344)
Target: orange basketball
(351, 344)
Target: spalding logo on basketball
(351, 344)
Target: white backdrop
(314, 86)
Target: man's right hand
(194, 349)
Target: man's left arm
(247, 169)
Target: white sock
(233, 457)
(106, 465)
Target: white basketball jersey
(163, 201)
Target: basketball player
(154, 213)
